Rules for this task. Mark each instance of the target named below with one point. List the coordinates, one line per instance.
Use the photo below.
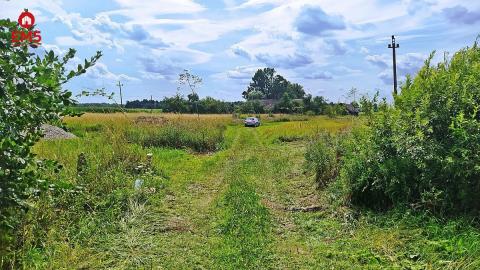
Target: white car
(252, 122)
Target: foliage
(295, 90)
(369, 106)
(208, 105)
(333, 110)
(266, 84)
(316, 104)
(352, 94)
(285, 105)
(193, 82)
(31, 94)
(424, 150)
(193, 97)
(178, 104)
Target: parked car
(252, 122)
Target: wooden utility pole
(151, 104)
(119, 84)
(394, 46)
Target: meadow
(216, 195)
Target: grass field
(217, 195)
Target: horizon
(326, 46)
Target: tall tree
(296, 90)
(192, 82)
(267, 84)
(280, 85)
(262, 82)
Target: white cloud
(101, 71)
(319, 75)
(55, 48)
(256, 3)
(408, 63)
(243, 73)
(39, 8)
(141, 10)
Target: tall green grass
(200, 137)
(200, 134)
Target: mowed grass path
(213, 213)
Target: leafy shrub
(331, 112)
(310, 113)
(424, 150)
(31, 94)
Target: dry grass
(301, 130)
(200, 134)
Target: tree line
(268, 92)
(179, 104)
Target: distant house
(269, 104)
(352, 110)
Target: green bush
(31, 94)
(425, 149)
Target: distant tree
(266, 84)
(296, 90)
(330, 111)
(352, 94)
(369, 106)
(307, 102)
(211, 105)
(193, 97)
(255, 95)
(286, 104)
(142, 104)
(193, 82)
(176, 104)
(316, 104)
(251, 106)
(280, 86)
(262, 81)
(298, 106)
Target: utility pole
(151, 104)
(394, 46)
(119, 84)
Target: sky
(328, 46)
